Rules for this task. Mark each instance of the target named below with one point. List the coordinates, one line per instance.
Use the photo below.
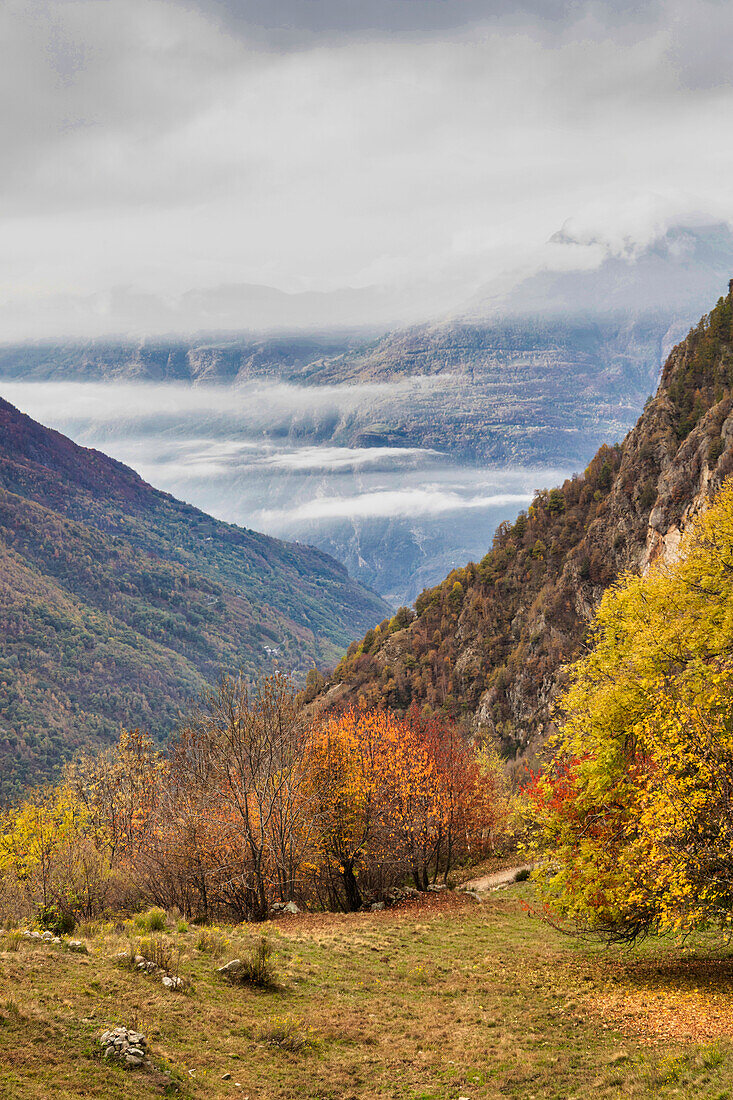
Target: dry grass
(288, 1033)
(433, 1001)
(212, 941)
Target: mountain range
(491, 642)
(543, 372)
(119, 603)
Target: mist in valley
(290, 461)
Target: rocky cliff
(490, 643)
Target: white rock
(229, 967)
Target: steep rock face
(490, 643)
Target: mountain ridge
(119, 602)
(490, 643)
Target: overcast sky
(154, 149)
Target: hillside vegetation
(636, 810)
(428, 1001)
(253, 803)
(119, 602)
(490, 641)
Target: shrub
(258, 969)
(152, 921)
(289, 1034)
(715, 450)
(522, 874)
(88, 929)
(53, 919)
(212, 942)
(156, 950)
(12, 940)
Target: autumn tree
(396, 796)
(243, 748)
(346, 785)
(46, 848)
(255, 800)
(119, 789)
(636, 810)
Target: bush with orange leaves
(255, 801)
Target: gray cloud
(294, 23)
(225, 450)
(155, 150)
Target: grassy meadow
(438, 999)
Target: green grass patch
(442, 999)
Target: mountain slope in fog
(491, 641)
(119, 602)
(544, 372)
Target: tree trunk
(351, 888)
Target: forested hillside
(491, 640)
(119, 602)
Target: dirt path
(499, 878)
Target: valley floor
(439, 999)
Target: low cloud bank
(390, 503)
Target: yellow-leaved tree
(635, 813)
(47, 856)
